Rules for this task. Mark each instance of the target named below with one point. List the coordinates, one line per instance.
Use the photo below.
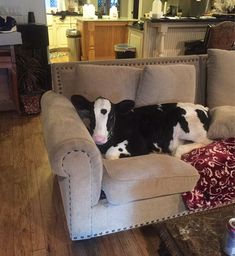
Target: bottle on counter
(113, 12)
(88, 11)
(157, 9)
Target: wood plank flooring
(32, 221)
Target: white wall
(126, 8)
(95, 2)
(145, 6)
(19, 10)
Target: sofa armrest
(71, 150)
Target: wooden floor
(32, 220)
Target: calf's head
(103, 115)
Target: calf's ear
(80, 102)
(125, 106)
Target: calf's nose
(99, 139)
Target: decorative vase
(31, 103)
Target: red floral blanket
(216, 166)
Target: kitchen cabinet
(57, 30)
(135, 39)
(51, 36)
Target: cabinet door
(51, 31)
(52, 43)
(135, 39)
(61, 38)
(60, 31)
(73, 22)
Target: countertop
(137, 26)
(107, 20)
(65, 13)
(80, 17)
(206, 19)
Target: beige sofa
(138, 190)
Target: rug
(197, 234)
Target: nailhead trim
(152, 221)
(141, 63)
(70, 204)
(70, 200)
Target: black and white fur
(120, 130)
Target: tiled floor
(58, 56)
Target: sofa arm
(71, 150)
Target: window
(51, 3)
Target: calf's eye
(103, 111)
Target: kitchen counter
(183, 19)
(166, 36)
(80, 17)
(214, 17)
(66, 13)
(99, 36)
(106, 20)
(137, 26)
(205, 19)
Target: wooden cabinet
(99, 37)
(135, 39)
(9, 98)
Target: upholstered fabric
(135, 178)
(108, 218)
(222, 122)
(104, 218)
(167, 84)
(113, 82)
(220, 78)
(66, 136)
(76, 160)
(222, 35)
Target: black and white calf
(120, 130)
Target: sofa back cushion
(220, 78)
(113, 82)
(167, 84)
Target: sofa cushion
(220, 78)
(222, 122)
(129, 179)
(167, 84)
(113, 82)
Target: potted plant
(31, 75)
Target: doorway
(136, 9)
(104, 6)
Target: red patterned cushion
(216, 166)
